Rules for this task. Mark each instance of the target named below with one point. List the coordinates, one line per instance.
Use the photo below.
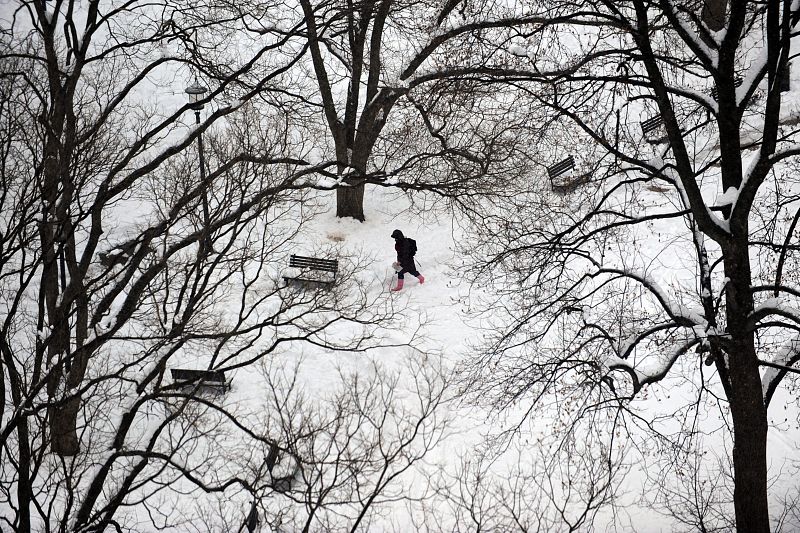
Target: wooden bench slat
(299, 261)
(561, 167)
(314, 267)
(308, 264)
(737, 82)
(313, 259)
(652, 123)
(189, 376)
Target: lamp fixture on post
(196, 92)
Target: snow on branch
(786, 356)
(773, 306)
(658, 366)
(682, 315)
(692, 198)
(655, 371)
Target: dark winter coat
(404, 257)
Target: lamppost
(196, 92)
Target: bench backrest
(186, 374)
(652, 123)
(561, 167)
(301, 261)
(715, 91)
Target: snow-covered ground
(469, 478)
(438, 320)
(442, 310)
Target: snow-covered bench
(282, 467)
(560, 182)
(653, 130)
(714, 92)
(186, 377)
(309, 267)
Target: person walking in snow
(406, 249)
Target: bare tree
(123, 257)
(351, 454)
(713, 193)
(549, 483)
(375, 65)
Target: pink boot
(421, 279)
(399, 285)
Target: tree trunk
(749, 445)
(63, 427)
(350, 202)
(748, 410)
(349, 197)
(24, 490)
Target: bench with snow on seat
(737, 82)
(187, 377)
(714, 91)
(653, 130)
(562, 180)
(123, 252)
(283, 467)
(312, 270)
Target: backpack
(412, 247)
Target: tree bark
(24, 489)
(750, 445)
(63, 427)
(748, 410)
(350, 202)
(24, 459)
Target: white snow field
(360, 409)
(521, 474)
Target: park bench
(653, 130)
(786, 85)
(185, 377)
(308, 266)
(737, 82)
(119, 254)
(756, 97)
(282, 473)
(561, 183)
(283, 467)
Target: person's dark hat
(397, 234)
